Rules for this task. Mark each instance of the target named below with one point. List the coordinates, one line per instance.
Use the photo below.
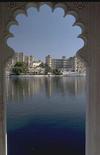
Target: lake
(46, 115)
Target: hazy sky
(42, 33)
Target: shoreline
(29, 76)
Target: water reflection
(18, 89)
(46, 115)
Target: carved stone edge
(71, 8)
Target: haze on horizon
(45, 32)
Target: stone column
(6, 16)
(2, 115)
(93, 104)
(5, 53)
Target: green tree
(47, 69)
(42, 65)
(57, 72)
(19, 68)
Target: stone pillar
(93, 104)
(93, 108)
(2, 115)
(5, 53)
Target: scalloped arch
(53, 5)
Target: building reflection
(18, 89)
(48, 86)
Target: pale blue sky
(42, 33)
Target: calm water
(46, 116)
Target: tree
(47, 69)
(19, 68)
(42, 65)
(57, 72)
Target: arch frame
(68, 8)
(86, 15)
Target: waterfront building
(36, 63)
(65, 64)
(70, 66)
(26, 59)
(35, 67)
(19, 57)
(57, 64)
(48, 60)
(62, 64)
(31, 59)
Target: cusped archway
(69, 9)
